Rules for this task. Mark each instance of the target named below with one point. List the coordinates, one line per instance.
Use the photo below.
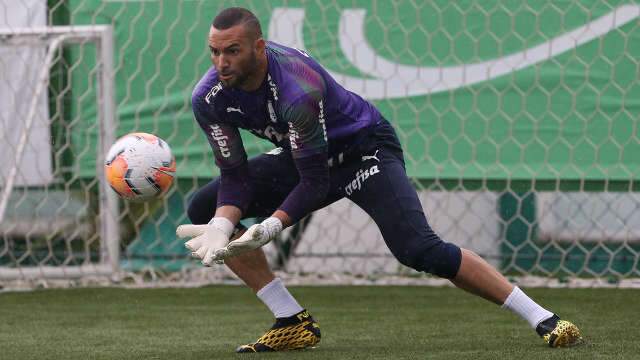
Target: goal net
(518, 122)
(54, 225)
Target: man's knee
(201, 208)
(434, 257)
(195, 213)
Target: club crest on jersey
(221, 139)
(212, 93)
(361, 177)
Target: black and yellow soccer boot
(559, 333)
(295, 332)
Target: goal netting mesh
(519, 122)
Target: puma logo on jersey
(232, 109)
(371, 157)
(220, 139)
(276, 151)
(361, 177)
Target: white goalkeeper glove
(206, 239)
(256, 236)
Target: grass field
(356, 323)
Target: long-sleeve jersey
(299, 107)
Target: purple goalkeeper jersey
(299, 107)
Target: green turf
(356, 322)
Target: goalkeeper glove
(206, 239)
(256, 236)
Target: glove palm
(256, 236)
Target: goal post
(53, 39)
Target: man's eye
(234, 51)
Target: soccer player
(331, 144)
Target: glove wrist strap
(223, 224)
(273, 225)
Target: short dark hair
(233, 16)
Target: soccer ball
(140, 166)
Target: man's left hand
(256, 236)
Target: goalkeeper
(331, 144)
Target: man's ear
(259, 44)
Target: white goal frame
(53, 38)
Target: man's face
(234, 54)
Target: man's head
(237, 48)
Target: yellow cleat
(559, 333)
(296, 332)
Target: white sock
(521, 304)
(278, 299)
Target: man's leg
(252, 267)
(478, 277)
(380, 186)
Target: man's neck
(256, 81)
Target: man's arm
(234, 193)
(309, 147)
(231, 212)
(235, 187)
(283, 217)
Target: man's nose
(223, 62)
